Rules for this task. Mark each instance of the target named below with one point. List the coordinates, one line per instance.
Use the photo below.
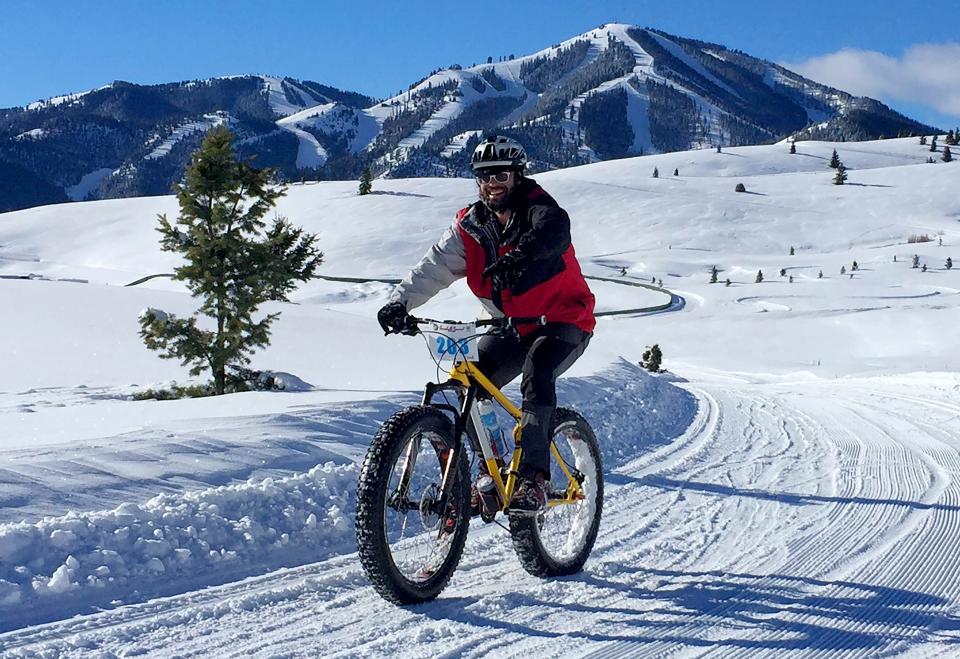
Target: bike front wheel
(558, 541)
(410, 539)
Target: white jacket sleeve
(442, 265)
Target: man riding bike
(513, 246)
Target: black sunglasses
(489, 177)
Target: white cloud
(926, 74)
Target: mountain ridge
(613, 91)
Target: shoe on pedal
(530, 497)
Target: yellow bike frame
(467, 373)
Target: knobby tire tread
(523, 528)
(371, 486)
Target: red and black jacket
(551, 283)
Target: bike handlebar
(506, 322)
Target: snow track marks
(817, 519)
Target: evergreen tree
(947, 156)
(791, 279)
(923, 140)
(834, 160)
(933, 143)
(366, 182)
(950, 139)
(949, 264)
(759, 278)
(652, 358)
(728, 281)
(843, 269)
(233, 263)
(676, 172)
(656, 173)
(791, 250)
(855, 266)
(740, 188)
(916, 261)
(713, 275)
(793, 147)
(841, 176)
(783, 272)
(820, 275)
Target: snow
(789, 487)
(184, 130)
(87, 183)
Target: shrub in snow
(740, 188)
(841, 176)
(728, 281)
(843, 269)
(759, 278)
(791, 250)
(713, 275)
(783, 272)
(949, 264)
(947, 155)
(233, 263)
(656, 173)
(651, 358)
(366, 182)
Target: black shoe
(530, 497)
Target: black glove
(506, 270)
(394, 319)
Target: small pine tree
(791, 279)
(791, 250)
(759, 278)
(924, 267)
(834, 160)
(947, 156)
(718, 148)
(841, 176)
(783, 272)
(923, 140)
(820, 275)
(933, 143)
(676, 172)
(740, 188)
(230, 262)
(728, 281)
(843, 269)
(949, 264)
(366, 182)
(793, 147)
(656, 173)
(651, 358)
(713, 275)
(855, 266)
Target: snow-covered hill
(790, 487)
(613, 91)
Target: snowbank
(86, 559)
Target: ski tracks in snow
(813, 519)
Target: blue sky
(901, 51)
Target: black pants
(541, 356)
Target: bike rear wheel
(558, 541)
(409, 541)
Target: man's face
(495, 186)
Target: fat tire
(525, 530)
(371, 501)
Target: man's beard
(500, 204)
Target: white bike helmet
(499, 151)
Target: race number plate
(453, 341)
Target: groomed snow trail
(813, 519)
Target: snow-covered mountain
(613, 91)
(790, 488)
